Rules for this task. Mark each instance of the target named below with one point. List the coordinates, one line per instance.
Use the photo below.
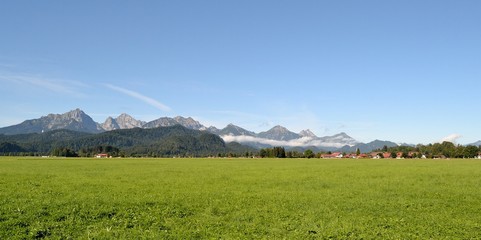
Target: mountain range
(77, 120)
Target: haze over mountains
(77, 120)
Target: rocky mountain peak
(234, 130)
(77, 115)
(110, 124)
(75, 120)
(126, 121)
(124, 116)
(307, 133)
(279, 128)
(189, 123)
(279, 133)
(341, 139)
(478, 143)
(342, 134)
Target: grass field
(239, 198)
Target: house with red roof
(102, 155)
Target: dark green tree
(308, 153)
(279, 152)
(471, 151)
(63, 152)
(448, 149)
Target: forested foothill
(175, 141)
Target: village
(379, 155)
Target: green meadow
(58, 198)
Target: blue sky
(405, 71)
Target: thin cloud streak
(139, 96)
(58, 86)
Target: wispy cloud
(54, 85)
(451, 138)
(139, 96)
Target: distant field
(239, 198)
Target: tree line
(280, 152)
(436, 150)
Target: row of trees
(86, 152)
(436, 150)
(280, 152)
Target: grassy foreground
(239, 198)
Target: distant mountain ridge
(478, 143)
(279, 133)
(307, 133)
(123, 121)
(167, 122)
(77, 120)
(234, 130)
(368, 147)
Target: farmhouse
(413, 154)
(353, 155)
(333, 155)
(362, 155)
(102, 155)
(378, 155)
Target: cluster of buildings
(374, 155)
(378, 155)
